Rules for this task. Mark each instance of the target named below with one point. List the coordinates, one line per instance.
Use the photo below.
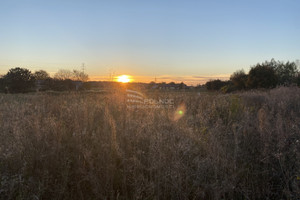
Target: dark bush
(239, 79)
(19, 80)
(61, 85)
(216, 84)
(262, 76)
(2, 87)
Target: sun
(124, 79)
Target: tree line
(23, 80)
(269, 74)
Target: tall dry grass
(90, 146)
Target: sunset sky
(187, 40)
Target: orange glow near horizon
(123, 79)
(189, 80)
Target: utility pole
(111, 74)
(298, 63)
(82, 67)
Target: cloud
(225, 76)
(192, 80)
(189, 80)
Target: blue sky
(179, 40)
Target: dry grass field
(91, 146)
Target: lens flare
(179, 112)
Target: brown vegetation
(90, 146)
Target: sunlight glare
(124, 79)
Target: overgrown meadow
(91, 146)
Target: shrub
(262, 76)
(19, 80)
(239, 79)
(216, 84)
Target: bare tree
(80, 76)
(75, 75)
(63, 74)
(41, 75)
